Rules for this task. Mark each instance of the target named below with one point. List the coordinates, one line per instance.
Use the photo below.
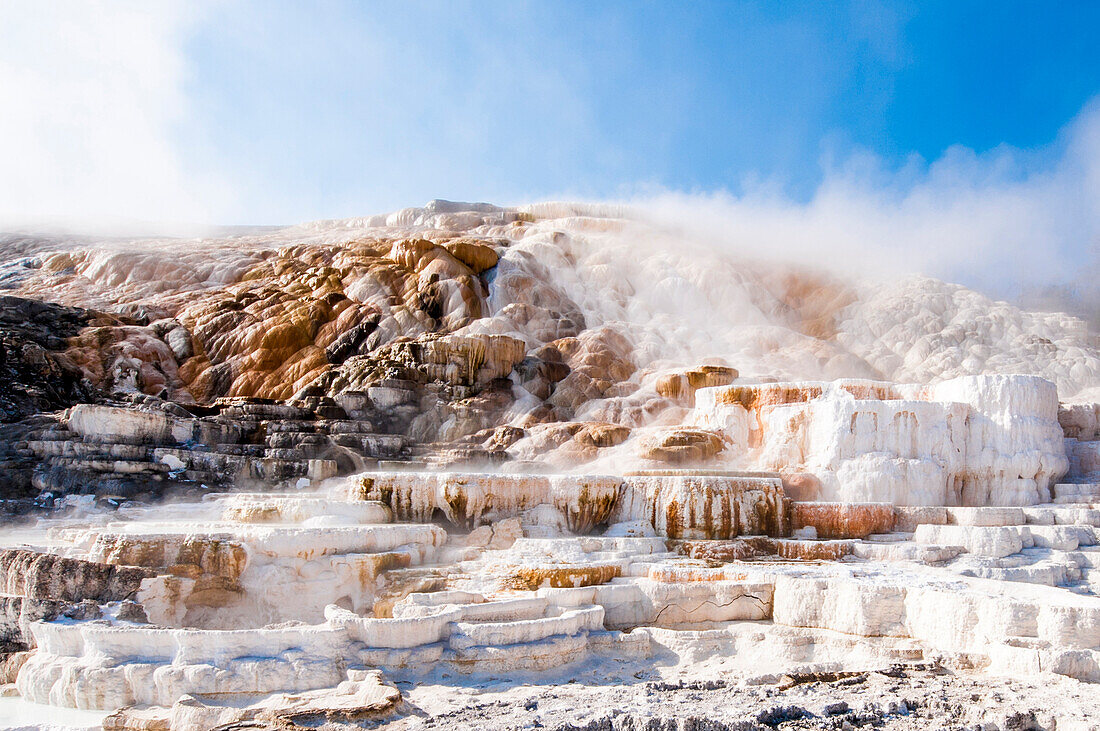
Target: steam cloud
(1023, 225)
(91, 134)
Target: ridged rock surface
(975, 440)
(444, 321)
(45, 576)
(486, 446)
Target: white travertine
(970, 441)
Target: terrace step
(69, 448)
(1076, 492)
(117, 466)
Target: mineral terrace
(464, 466)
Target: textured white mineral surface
(737, 495)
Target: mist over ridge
(1019, 225)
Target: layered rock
(147, 448)
(680, 386)
(592, 317)
(45, 576)
(988, 440)
(681, 446)
(521, 594)
(686, 505)
(364, 696)
(37, 587)
(470, 499)
(843, 520)
(457, 360)
(233, 576)
(445, 361)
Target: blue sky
(340, 108)
(277, 112)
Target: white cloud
(1007, 221)
(92, 93)
(95, 95)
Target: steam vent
(464, 466)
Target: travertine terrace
(331, 475)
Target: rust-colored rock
(479, 257)
(181, 555)
(688, 504)
(801, 486)
(469, 499)
(561, 576)
(843, 520)
(680, 386)
(760, 395)
(682, 446)
(597, 359)
(762, 547)
(214, 591)
(718, 552)
(211, 322)
(601, 435)
(812, 550)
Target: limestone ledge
(238, 575)
(470, 500)
(676, 504)
(973, 440)
(145, 665)
(135, 664)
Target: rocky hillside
(449, 333)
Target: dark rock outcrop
(45, 576)
(35, 375)
(42, 586)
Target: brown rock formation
(178, 555)
(691, 505)
(597, 360)
(46, 576)
(558, 576)
(754, 397)
(680, 386)
(843, 520)
(762, 547)
(261, 323)
(682, 446)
